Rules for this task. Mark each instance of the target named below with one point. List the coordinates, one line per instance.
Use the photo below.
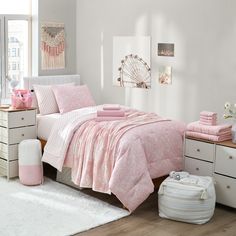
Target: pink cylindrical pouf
(30, 163)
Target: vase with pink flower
(230, 113)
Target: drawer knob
(230, 157)
(228, 187)
(22, 118)
(198, 150)
(197, 169)
(22, 135)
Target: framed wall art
(166, 49)
(165, 75)
(131, 62)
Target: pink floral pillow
(72, 98)
(45, 98)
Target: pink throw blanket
(137, 153)
(206, 129)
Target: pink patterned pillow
(72, 98)
(45, 98)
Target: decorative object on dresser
(217, 159)
(187, 198)
(230, 112)
(21, 99)
(15, 125)
(30, 162)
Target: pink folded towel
(208, 113)
(109, 118)
(206, 129)
(116, 113)
(207, 118)
(209, 137)
(111, 107)
(208, 123)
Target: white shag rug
(50, 209)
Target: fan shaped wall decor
(131, 62)
(52, 46)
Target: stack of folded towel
(207, 128)
(110, 112)
(208, 118)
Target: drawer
(3, 115)
(225, 161)
(13, 168)
(3, 168)
(197, 167)
(8, 152)
(18, 119)
(199, 150)
(14, 136)
(225, 190)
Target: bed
(146, 148)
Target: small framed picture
(166, 49)
(165, 75)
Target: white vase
(233, 131)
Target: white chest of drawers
(15, 126)
(217, 160)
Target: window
(13, 52)
(13, 66)
(15, 38)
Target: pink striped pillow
(45, 98)
(72, 98)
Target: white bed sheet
(45, 124)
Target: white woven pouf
(189, 199)
(30, 163)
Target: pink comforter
(139, 153)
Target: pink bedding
(144, 149)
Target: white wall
(204, 66)
(61, 11)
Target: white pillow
(46, 99)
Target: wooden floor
(146, 222)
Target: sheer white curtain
(15, 7)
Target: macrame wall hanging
(52, 46)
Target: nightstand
(15, 126)
(207, 158)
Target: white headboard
(49, 80)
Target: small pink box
(21, 99)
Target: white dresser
(15, 126)
(214, 159)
